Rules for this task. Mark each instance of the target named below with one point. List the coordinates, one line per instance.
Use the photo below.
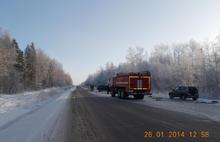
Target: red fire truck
(136, 84)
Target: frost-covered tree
(11, 71)
(30, 70)
(135, 55)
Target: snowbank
(24, 100)
(34, 116)
(15, 105)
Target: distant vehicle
(101, 88)
(184, 92)
(91, 87)
(135, 84)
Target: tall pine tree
(30, 67)
(18, 66)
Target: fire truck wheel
(119, 94)
(122, 94)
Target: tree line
(189, 63)
(30, 69)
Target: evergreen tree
(50, 75)
(18, 66)
(30, 67)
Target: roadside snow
(25, 100)
(32, 116)
(15, 105)
(204, 108)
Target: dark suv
(101, 88)
(184, 92)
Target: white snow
(204, 108)
(27, 117)
(24, 100)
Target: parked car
(184, 92)
(91, 87)
(101, 88)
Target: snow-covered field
(29, 116)
(205, 108)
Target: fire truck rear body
(136, 84)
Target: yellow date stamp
(176, 134)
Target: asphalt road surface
(105, 119)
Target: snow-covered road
(38, 123)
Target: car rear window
(183, 88)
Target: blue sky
(85, 34)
